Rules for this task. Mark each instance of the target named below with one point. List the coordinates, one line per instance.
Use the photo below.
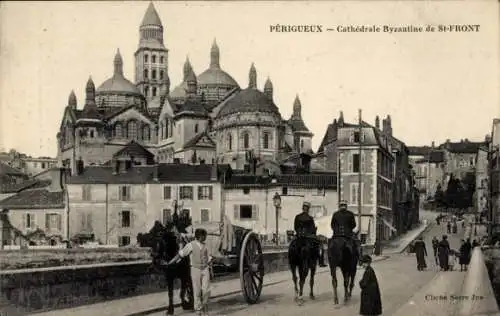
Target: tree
(439, 197)
(452, 192)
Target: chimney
(433, 144)
(213, 172)
(384, 126)
(56, 176)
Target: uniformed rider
(304, 223)
(344, 224)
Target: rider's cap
(343, 202)
(308, 204)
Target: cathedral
(206, 118)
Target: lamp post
(277, 206)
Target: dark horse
(341, 253)
(165, 244)
(303, 253)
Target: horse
(343, 255)
(303, 253)
(165, 246)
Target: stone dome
(118, 84)
(216, 77)
(249, 100)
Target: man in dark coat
(465, 252)
(343, 224)
(448, 227)
(443, 253)
(421, 253)
(371, 301)
(304, 226)
(435, 243)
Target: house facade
(494, 175)
(482, 181)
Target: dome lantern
(252, 77)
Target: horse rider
(304, 226)
(344, 225)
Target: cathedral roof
(216, 76)
(297, 125)
(151, 16)
(118, 84)
(249, 100)
(179, 92)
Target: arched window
(230, 142)
(165, 131)
(265, 141)
(246, 140)
(162, 128)
(132, 130)
(196, 128)
(153, 59)
(146, 74)
(145, 58)
(161, 59)
(154, 92)
(118, 130)
(301, 143)
(161, 74)
(153, 74)
(146, 132)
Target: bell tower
(151, 59)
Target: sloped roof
(28, 184)
(436, 156)
(5, 169)
(134, 149)
(196, 141)
(419, 150)
(463, 147)
(34, 199)
(311, 180)
(151, 16)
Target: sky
(435, 86)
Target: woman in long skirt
(421, 253)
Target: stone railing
(492, 261)
(26, 291)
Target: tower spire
(297, 108)
(187, 68)
(215, 55)
(72, 100)
(268, 89)
(118, 63)
(90, 93)
(252, 77)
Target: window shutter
(26, 220)
(363, 166)
(120, 219)
(32, 220)
(349, 163)
(200, 191)
(255, 212)
(47, 221)
(131, 218)
(59, 222)
(210, 192)
(83, 221)
(236, 212)
(129, 192)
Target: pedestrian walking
(371, 301)
(465, 251)
(420, 253)
(443, 253)
(435, 243)
(448, 227)
(200, 269)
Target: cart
(240, 248)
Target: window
(153, 59)
(29, 220)
(320, 191)
(146, 133)
(204, 215)
(161, 59)
(186, 193)
(154, 92)
(265, 141)
(118, 130)
(161, 74)
(355, 163)
(124, 193)
(246, 191)
(125, 219)
(146, 91)
(53, 222)
(354, 194)
(196, 128)
(146, 73)
(123, 241)
(284, 191)
(167, 215)
(43, 165)
(186, 212)
(301, 143)
(249, 212)
(145, 58)
(357, 137)
(86, 192)
(246, 140)
(230, 142)
(132, 130)
(153, 74)
(86, 222)
(167, 192)
(205, 192)
(91, 134)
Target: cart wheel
(251, 268)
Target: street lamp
(277, 206)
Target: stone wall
(45, 289)
(492, 259)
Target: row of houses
(493, 172)
(114, 202)
(29, 166)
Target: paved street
(398, 279)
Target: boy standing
(200, 269)
(371, 302)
